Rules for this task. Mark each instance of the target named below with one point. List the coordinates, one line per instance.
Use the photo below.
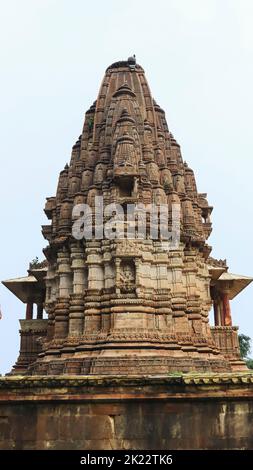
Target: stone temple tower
(121, 353)
(127, 306)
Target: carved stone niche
(86, 180)
(153, 173)
(99, 175)
(125, 186)
(127, 276)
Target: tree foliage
(245, 346)
(249, 363)
(34, 263)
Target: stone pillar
(217, 307)
(65, 287)
(51, 296)
(64, 271)
(78, 269)
(117, 274)
(76, 310)
(95, 273)
(137, 272)
(217, 319)
(39, 311)
(29, 311)
(226, 309)
(178, 300)
(51, 320)
(109, 274)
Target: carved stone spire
(127, 306)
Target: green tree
(244, 343)
(90, 123)
(34, 263)
(249, 363)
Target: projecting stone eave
(222, 279)
(38, 273)
(236, 283)
(28, 286)
(205, 379)
(215, 272)
(21, 287)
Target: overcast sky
(198, 58)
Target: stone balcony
(30, 346)
(226, 340)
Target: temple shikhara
(127, 306)
(128, 341)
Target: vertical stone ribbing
(65, 289)
(76, 311)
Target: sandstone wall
(126, 414)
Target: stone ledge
(53, 381)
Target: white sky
(198, 58)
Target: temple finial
(132, 61)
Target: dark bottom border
(111, 459)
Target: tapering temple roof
(128, 305)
